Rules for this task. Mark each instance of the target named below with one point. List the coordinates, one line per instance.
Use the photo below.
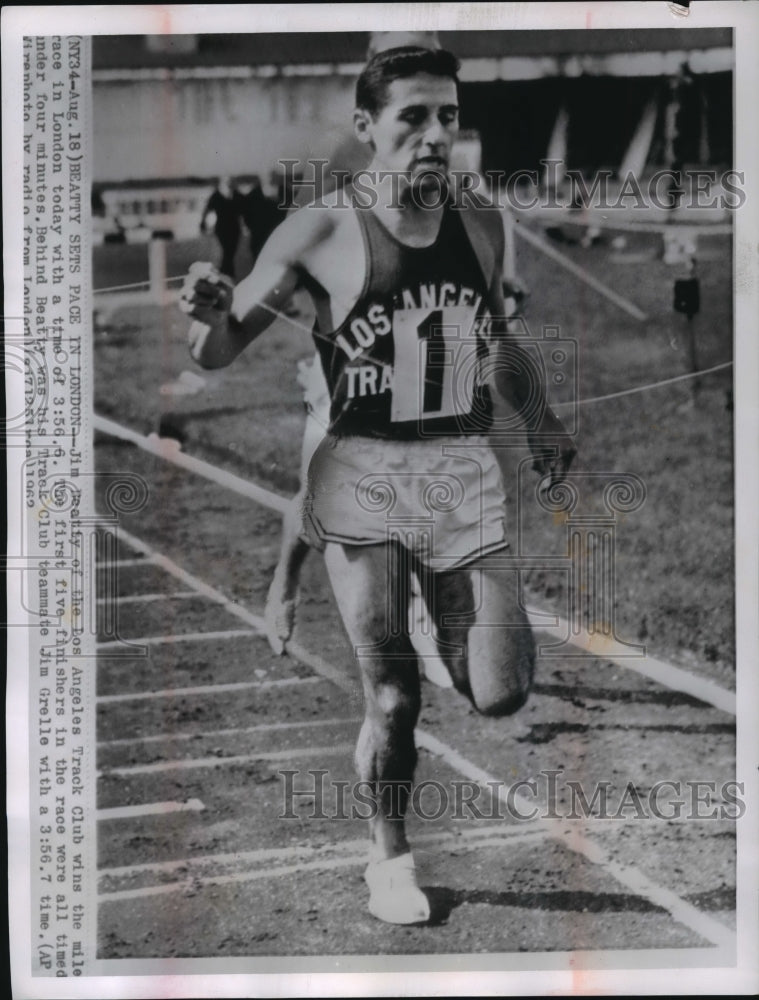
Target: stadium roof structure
(484, 54)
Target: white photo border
(204, 978)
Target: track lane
(679, 910)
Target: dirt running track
(200, 729)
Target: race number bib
(435, 362)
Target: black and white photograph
(381, 433)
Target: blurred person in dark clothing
(260, 215)
(226, 227)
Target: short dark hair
(396, 64)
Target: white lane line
(177, 595)
(191, 886)
(206, 689)
(150, 809)
(171, 453)
(190, 763)
(211, 866)
(709, 928)
(345, 681)
(663, 673)
(666, 674)
(216, 733)
(162, 640)
(680, 910)
(354, 854)
(191, 581)
(687, 914)
(306, 851)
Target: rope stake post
(688, 301)
(157, 266)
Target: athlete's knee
(504, 690)
(386, 749)
(505, 704)
(394, 707)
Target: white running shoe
(394, 895)
(186, 384)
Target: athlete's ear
(362, 125)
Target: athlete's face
(415, 131)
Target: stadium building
(174, 112)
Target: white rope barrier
(644, 388)
(135, 284)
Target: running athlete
(284, 591)
(407, 294)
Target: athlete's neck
(412, 213)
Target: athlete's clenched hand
(206, 296)
(553, 449)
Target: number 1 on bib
(435, 362)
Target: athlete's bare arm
(317, 248)
(552, 448)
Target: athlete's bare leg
(283, 595)
(389, 674)
(485, 636)
(282, 598)
(371, 588)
